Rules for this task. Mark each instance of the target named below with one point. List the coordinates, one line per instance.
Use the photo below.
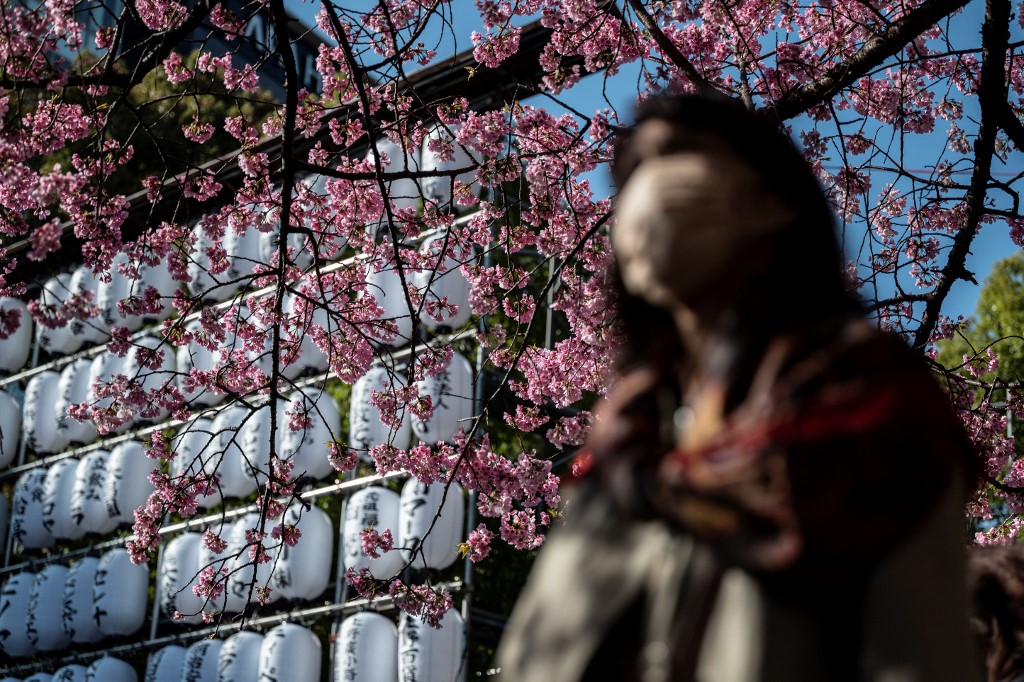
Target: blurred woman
(773, 488)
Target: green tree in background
(995, 331)
(151, 116)
(998, 324)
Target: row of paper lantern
(368, 648)
(73, 497)
(99, 492)
(59, 606)
(405, 193)
(49, 393)
(234, 445)
(289, 652)
(47, 428)
(94, 598)
(302, 572)
(298, 573)
(244, 657)
(106, 669)
(256, 245)
(443, 283)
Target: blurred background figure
(996, 578)
(773, 488)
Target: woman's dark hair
(806, 279)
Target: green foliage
(150, 117)
(998, 323)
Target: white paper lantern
(77, 605)
(73, 389)
(58, 512)
(157, 277)
(4, 520)
(39, 677)
(219, 564)
(426, 653)
(231, 343)
(60, 340)
(14, 349)
(243, 254)
(14, 598)
(312, 196)
(441, 153)
(119, 593)
(201, 282)
(366, 649)
(88, 508)
(39, 420)
(69, 673)
(256, 441)
(27, 511)
(307, 448)
(270, 242)
(378, 508)
(420, 504)
(43, 623)
(110, 669)
(10, 429)
(303, 571)
(178, 574)
(257, 347)
(196, 356)
(227, 426)
(200, 664)
(109, 293)
(127, 486)
(104, 368)
(235, 351)
(151, 362)
(165, 664)
(246, 574)
(451, 394)
(442, 281)
(290, 652)
(239, 658)
(89, 330)
(403, 192)
(366, 430)
(195, 448)
(311, 359)
(386, 287)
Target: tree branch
(669, 49)
(995, 35)
(871, 54)
(162, 45)
(1012, 126)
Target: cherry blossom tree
(909, 111)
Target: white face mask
(688, 223)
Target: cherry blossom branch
(669, 48)
(162, 44)
(992, 97)
(884, 45)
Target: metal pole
(467, 580)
